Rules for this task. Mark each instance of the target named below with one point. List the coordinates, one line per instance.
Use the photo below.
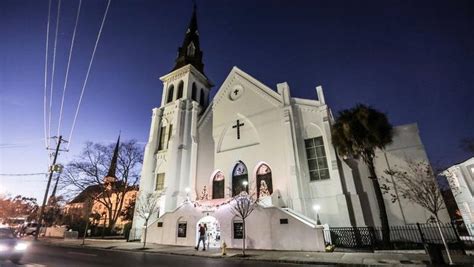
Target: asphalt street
(40, 255)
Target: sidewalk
(335, 258)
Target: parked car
(30, 228)
(11, 248)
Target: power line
(46, 78)
(23, 174)
(68, 64)
(88, 71)
(53, 68)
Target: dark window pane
(238, 230)
(324, 174)
(322, 163)
(318, 141)
(218, 189)
(161, 145)
(182, 229)
(313, 175)
(312, 165)
(311, 153)
(317, 161)
(320, 151)
(308, 143)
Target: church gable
(236, 85)
(242, 108)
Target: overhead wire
(68, 65)
(23, 174)
(87, 74)
(45, 104)
(53, 68)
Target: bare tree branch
(417, 183)
(86, 174)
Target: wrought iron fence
(413, 236)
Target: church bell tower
(187, 79)
(169, 164)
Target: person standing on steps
(202, 237)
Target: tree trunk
(112, 221)
(243, 243)
(381, 205)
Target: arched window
(191, 49)
(202, 99)
(264, 181)
(170, 94)
(194, 92)
(218, 186)
(180, 90)
(240, 179)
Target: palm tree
(357, 133)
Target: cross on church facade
(238, 125)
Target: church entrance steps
(300, 217)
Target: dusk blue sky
(413, 60)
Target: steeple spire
(190, 51)
(113, 162)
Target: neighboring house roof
(94, 190)
(86, 193)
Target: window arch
(202, 99)
(264, 181)
(170, 94)
(194, 92)
(239, 177)
(218, 185)
(180, 90)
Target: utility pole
(51, 171)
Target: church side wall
(406, 146)
(335, 196)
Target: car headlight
(3, 248)
(20, 246)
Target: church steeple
(190, 51)
(110, 177)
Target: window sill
(323, 180)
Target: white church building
(201, 152)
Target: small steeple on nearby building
(190, 51)
(111, 176)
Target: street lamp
(245, 184)
(316, 208)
